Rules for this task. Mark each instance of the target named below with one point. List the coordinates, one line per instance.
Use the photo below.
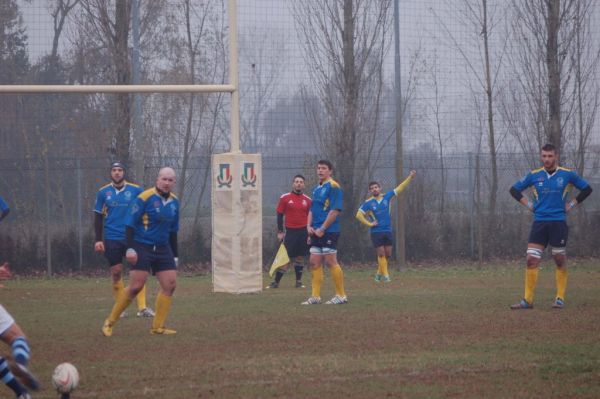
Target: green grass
(430, 333)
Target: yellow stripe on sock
(141, 298)
(561, 282)
(117, 288)
(119, 307)
(383, 265)
(338, 279)
(531, 276)
(163, 305)
(316, 281)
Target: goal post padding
(236, 222)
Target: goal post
(236, 206)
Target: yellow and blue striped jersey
(113, 204)
(326, 197)
(379, 209)
(153, 217)
(550, 191)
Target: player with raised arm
(151, 236)
(550, 185)
(293, 207)
(375, 213)
(323, 226)
(111, 208)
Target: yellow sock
(561, 282)
(383, 265)
(163, 304)
(120, 305)
(531, 276)
(316, 281)
(117, 288)
(141, 298)
(338, 279)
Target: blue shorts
(154, 258)
(553, 233)
(382, 239)
(324, 245)
(114, 251)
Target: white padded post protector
(236, 222)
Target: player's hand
(310, 230)
(5, 273)
(99, 246)
(131, 256)
(280, 236)
(374, 223)
(320, 232)
(570, 205)
(412, 173)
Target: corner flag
(281, 259)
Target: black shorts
(295, 242)
(154, 258)
(553, 233)
(383, 238)
(324, 245)
(114, 251)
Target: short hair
(299, 176)
(549, 147)
(326, 163)
(373, 183)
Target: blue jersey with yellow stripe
(326, 197)
(379, 209)
(550, 191)
(154, 217)
(3, 205)
(114, 204)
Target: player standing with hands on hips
(151, 236)
(112, 205)
(550, 185)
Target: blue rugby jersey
(3, 205)
(326, 197)
(153, 217)
(114, 205)
(379, 209)
(550, 192)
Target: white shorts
(6, 320)
(322, 250)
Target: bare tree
(344, 42)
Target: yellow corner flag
(281, 259)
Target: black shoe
(274, 284)
(299, 284)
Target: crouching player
(13, 336)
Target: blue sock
(9, 379)
(20, 351)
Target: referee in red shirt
(293, 207)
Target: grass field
(430, 333)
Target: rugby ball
(65, 378)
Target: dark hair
(373, 183)
(298, 176)
(117, 164)
(549, 147)
(326, 163)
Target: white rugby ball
(65, 378)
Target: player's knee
(534, 256)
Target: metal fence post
(79, 214)
(471, 208)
